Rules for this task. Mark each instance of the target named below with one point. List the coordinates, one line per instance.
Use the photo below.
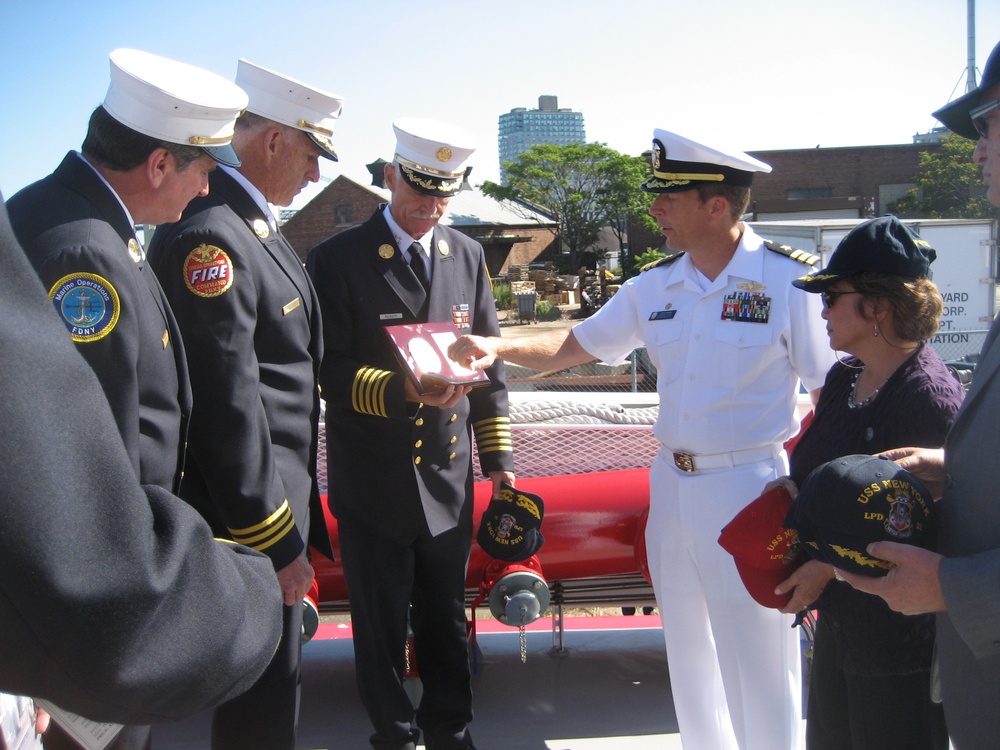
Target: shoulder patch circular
(208, 271)
(88, 304)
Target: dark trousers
(384, 576)
(266, 716)
(857, 712)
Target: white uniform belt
(691, 462)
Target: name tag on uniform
(291, 305)
(663, 315)
(390, 316)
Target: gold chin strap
(691, 176)
(313, 126)
(204, 140)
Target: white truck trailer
(965, 270)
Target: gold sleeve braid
(368, 391)
(269, 531)
(493, 435)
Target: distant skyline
(776, 74)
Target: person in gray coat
(962, 581)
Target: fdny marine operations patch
(208, 271)
(88, 304)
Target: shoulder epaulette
(662, 261)
(802, 256)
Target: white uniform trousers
(735, 666)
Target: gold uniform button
(452, 455)
(453, 417)
(454, 439)
(417, 460)
(418, 444)
(419, 422)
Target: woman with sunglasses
(870, 680)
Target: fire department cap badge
(88, 304)
(208, 271)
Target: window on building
(344, 214)
(807, 194)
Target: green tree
(949, 185)
(583, 186)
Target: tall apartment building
(521, 128)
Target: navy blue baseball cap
(846, 504)
(511, 526)
(883, 245)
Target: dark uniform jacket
(252, 330)
(402, 468)
(78, 237)
(115, 602)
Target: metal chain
(524, 644)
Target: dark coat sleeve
(115, 601)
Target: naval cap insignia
(443, 154)
(443, 247)
(134, 251)
(386, 251)
(261, 229)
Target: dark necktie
(419, 266)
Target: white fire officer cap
(293, 103)
(174, 102)
(432, 155)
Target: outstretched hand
(474, 352)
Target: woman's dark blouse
(915, 407)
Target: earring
(876, 329)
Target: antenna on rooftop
(970, 77)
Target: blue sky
(770, 74)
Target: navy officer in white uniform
(731, 340)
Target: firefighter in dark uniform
(115, 601)
(400, 463)
(148, 151)
(252, 329)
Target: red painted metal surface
(593, 527)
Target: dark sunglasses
(979, 120)
(830, 297)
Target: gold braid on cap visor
(446, 186)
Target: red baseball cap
(761, 546)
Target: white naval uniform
(727, 393)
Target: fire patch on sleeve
(208, 271)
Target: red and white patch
(208, 271)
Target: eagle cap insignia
(134, 251)
(386, 251)
(443, 247)
(752, 286)
(443, 154)
(261, 229)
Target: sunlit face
(296, 166)
(415, 212)
(682, 217)
(179, 187)
(845, 326)
(987, 152)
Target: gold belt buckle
(684, 462)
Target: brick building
(510, 234)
